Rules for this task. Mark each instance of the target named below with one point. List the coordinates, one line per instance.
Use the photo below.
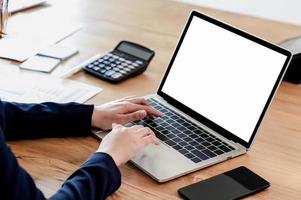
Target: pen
(69, 72)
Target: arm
(99, 176)
(96, 179)
(46, 120)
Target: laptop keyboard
(184, 136)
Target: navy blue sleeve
(96, 179)
(15, 182)
(24, 121)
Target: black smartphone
(234, 184)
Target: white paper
(59, 52)
(40, 63)
(28, 34)
(25, 88)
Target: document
(32, 88)
(28, 34)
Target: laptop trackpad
(162, 162)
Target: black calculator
(128, 59)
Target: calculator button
(106, 57)
(96, 68)
(114, 56)
(100, 60)
(116, 69)
(101, 65)
(109, 54)
(117, 62)
(127, 69)
(139, 62)
(95, 62)
(121, 59)
(111, 59)
(108, 67)
(124, 64)
(128, 62)
(120, 66)
(123, 72)
(113, 65)
(135, 64)
(106, 62)
(109, 73)
(90, 66)
(103, 71)
(131, 67)
(116, 75)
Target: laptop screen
(223, 76)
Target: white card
(40, 63)
(59, 52)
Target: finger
(145, 131)
(134, 116)
(136, 127)
(138, 100)
(116, 126)
(150, 139)
(131, 107)
(127, 98)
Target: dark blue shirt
(97, 178)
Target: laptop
(214, 94)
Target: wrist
(111, 155)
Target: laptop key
(161, 136)
(212, 148)
(194, 136)
(170, 142)
(224, 148)
(199, 154)
(189, 148)
(210, 139)
(181, 135)
(208, 153)
(200, 147)
(177, 140)
(196, 160)
(183, 143)
(199, 139)
(188, 132)
(206, 144)
(183, 151)
(182, 128)
(216, 143)
(218, 152)
(177, 147)
(189, 155)
(193, 143)
(188, 139)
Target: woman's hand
(124, 143)
(121, 112)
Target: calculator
(126, 60)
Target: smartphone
(234, 184)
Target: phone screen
(233, 184)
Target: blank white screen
(223, 76)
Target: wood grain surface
(275, 154)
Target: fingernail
(143, 113)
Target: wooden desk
(276, 153)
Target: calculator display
(130, 49)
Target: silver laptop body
(211, 97)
